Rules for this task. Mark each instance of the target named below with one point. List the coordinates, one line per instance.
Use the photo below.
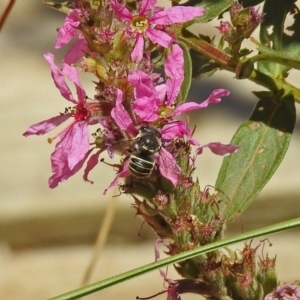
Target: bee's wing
(168, 167)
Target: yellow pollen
(139, 24)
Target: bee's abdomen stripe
(140, 167)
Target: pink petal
(124, 173)
(68, 30)
(90, 165)
(146, 108)
(121, 116)
(76, 142)
(142, 83)
(178, 129)
(218, 148)
(70, 153)
(174, 69)
(121, 11)
(46, 125)
(58, 78)
(174, 129)
(159, 37)
(177, 14)
(146, 103)
(161, 92)
(157, 257)
(222, 149)
(77, 51)
(146, 6)
(72, 74)
(60, 167)
(188, 106)
(137, 52)
(215, 97)
(168, 167)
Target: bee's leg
(115, 166)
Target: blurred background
(47, 236)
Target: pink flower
(149, 22)
(224, 27)
(286, 292)
(165, 161)
(72, 149)
(153, 102)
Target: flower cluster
(244, 22)
(114, 42)
(134, 112)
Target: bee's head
(148, 139)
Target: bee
(146, 147)
(146, 153)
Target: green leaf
(202, 66)
(263, 142)
(185, 87)
(273, 34)
(92, 288)
(268, 54)
(213, 8)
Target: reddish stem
(6, 13)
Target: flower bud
(245, 20)
(228, 32)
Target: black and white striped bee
(147, 145)
(146, 153)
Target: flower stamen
(139, 24)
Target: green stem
(227, 62)
(75, 294)
(268, 82)
(271, 55)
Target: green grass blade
(92, 288)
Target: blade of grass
(89, 289)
